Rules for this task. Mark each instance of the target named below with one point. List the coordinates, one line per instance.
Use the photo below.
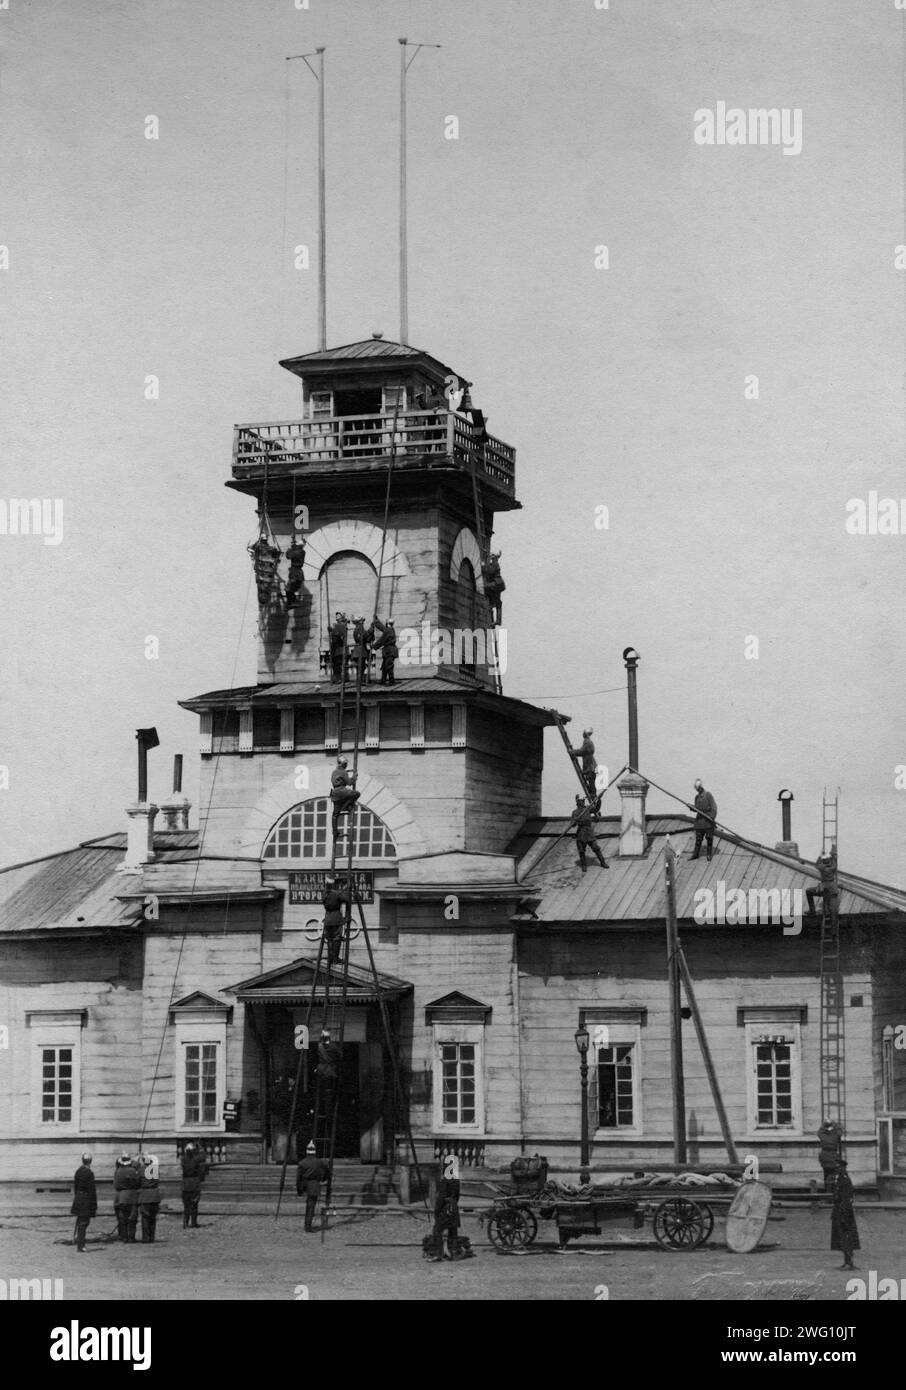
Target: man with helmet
(194, 1169)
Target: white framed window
(459, 1078)
(774, 1071)
(394, 398)
(321, 405)
(200, 1081)
(56, 1062)
(614, 1071)
(304, 833)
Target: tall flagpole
(322, 202)
(404, 237)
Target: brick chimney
(140, 830)
(176, 807)
(633, 790)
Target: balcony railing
(286, 444)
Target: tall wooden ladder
(481, 529)
(831, 1030)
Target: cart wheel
(681, 1225)
(512, 1228)
(708, 1214)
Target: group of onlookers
(136, 1194)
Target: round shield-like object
(748, 1216)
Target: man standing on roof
(705, 815)
(586, 755)
(583, 818)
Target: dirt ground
(377, 1255)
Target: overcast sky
(622, 387)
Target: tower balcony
(363, 443)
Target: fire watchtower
(386, 430)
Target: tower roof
(368, 348)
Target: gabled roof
(292, 984)
(632, 889)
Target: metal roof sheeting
(632, 889)
(70, 891)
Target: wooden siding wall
(889, 985)
(102, 976)
(503, 779)
(562, 973)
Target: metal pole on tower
(322, 216)
(322, 201)
(404, 231)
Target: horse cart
(680, 1220)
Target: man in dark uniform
(334, 918)
(149, 1197)
(296, 557)
(264, 559)
(312, 1171)
(389, 650)
(125, 1190)
(830, 1140)
(583, 818)
(337, 633)
(362, 638)
(194, 1169)
(705, 815)
(844, 1231)
(493, 585)
(343, 794)
(446, 1220)
(828, 889)
(586, 755)
(330, 1056)
(84, 1201)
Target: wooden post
(676, 1037)
(404, 270)
(706, 1055)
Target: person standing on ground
(125, 1187)
(312, 1171)
(84, 1201)
(149, 1198)
(194, 1169)
(844, 1231)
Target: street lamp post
(582, 1041)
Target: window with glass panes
(615, 1086)
(773, 1083)
(56, 1085)
(201, 1083)
(304, 833)
(458, 1082)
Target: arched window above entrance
(303, 832)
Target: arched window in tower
(348, 583)
(304, 833)
(466, 597)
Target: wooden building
(154, 983)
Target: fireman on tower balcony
(342, 793)
(389, 650)
(493, 585)
(705, 815)
(362, 638)
(337, 633)
(296, 557)
(264, 559)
